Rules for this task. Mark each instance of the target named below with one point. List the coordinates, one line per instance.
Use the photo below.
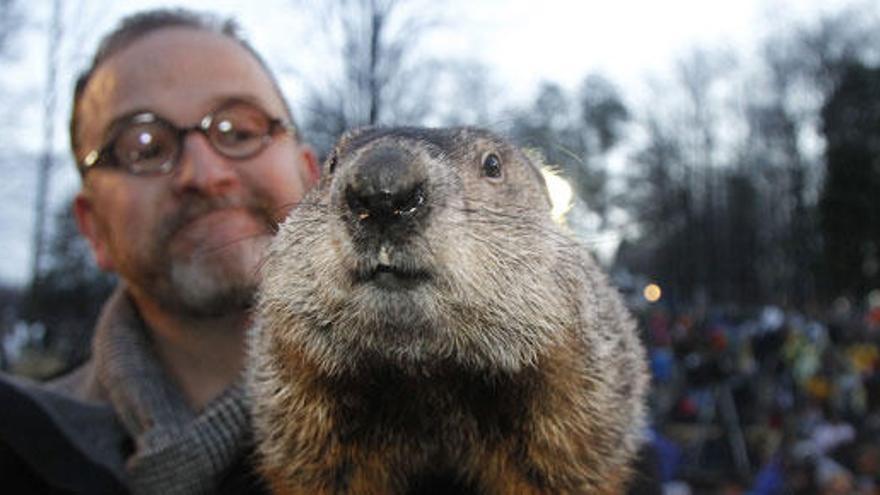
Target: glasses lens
(240, 130)
(145, 148)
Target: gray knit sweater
(175, 451)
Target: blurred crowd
(772, 402)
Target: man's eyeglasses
(147, 144)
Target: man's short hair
(138, 25)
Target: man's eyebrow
(219, 100)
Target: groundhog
(424, 326)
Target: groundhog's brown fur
(425, 327)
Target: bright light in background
(874, 299)
(561, 194)
(652, 293)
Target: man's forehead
(177, 72)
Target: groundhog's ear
(535, 159)
(342, 143)
(353, 133)
(90, 228)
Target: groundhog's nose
(386, 188)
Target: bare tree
(65, 286)
(835, 41)
(47, 157)
(727, 196)
(63, 40)
(702, 75)
(10, 19)
(379, 77)
(850, 214)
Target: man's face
(190, 241)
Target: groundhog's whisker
(285, 208)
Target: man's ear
(83, 211)
(311, 169)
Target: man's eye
(230, 133)
(239, 134)
(144, 144)
(146, 152)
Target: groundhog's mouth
(390, 277)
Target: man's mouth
(218, 229)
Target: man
(188, 159)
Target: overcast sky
(522, 42)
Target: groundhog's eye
(331, 162)
(492, 166)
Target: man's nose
(201, 169)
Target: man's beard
(201, 284)
(203, 289)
